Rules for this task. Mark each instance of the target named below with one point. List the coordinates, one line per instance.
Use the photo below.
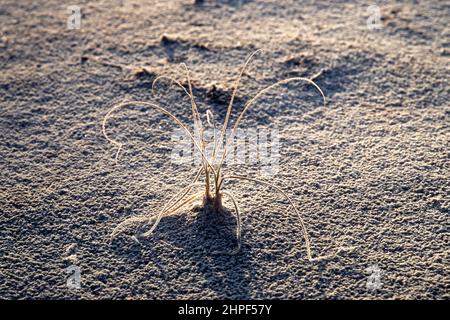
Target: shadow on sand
(195, 238)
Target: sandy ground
(368, 171)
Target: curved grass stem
(253, 100)
(161, 110)
(238, 222)
(302, 223)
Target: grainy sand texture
(369, 171)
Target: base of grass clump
(213, 204)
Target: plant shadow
(203, 241)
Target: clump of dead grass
(210, 174)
